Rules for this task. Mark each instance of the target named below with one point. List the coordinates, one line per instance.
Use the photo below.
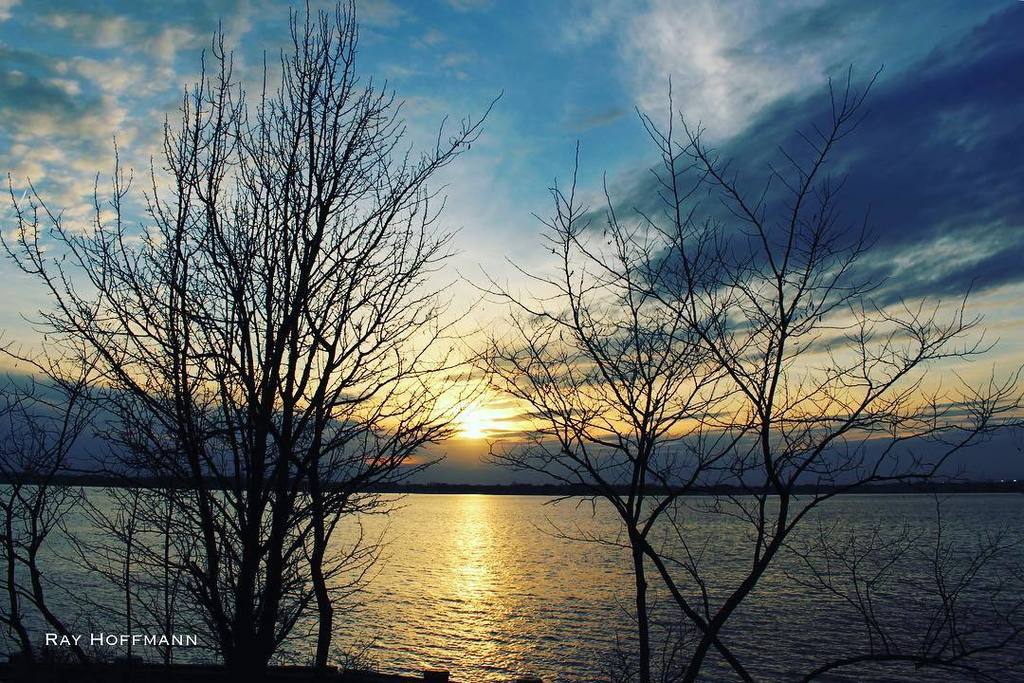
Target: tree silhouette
(726, 340)
(271, 336)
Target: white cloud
(723, 68)
(166, 44)
(6, 7)
(125, 34)
(431, 38)
(119, 77)
(101, 31)
(469, 5)
(379, 13)
(730, 60)
(715, 81)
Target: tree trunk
(643, 627)
(325, 611)
(14, 619)
(246, 662)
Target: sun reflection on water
(475, 578)
(470, 585)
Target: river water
(489, 587)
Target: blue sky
(939, 159)
(75, 74)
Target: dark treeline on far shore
(99, 480)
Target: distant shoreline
(88, 480)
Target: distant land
(94, 480)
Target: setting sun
(479, 422)
(490, 419)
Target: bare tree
(966, 593)
(615, 380)
(808, 383)
(44, 412)
(272, 335)
(131, 540)
(832, 382)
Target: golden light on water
(472, 549)
(475, 577)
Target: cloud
(580, 119)
(729, 62)
(88, 72)
(45, 107)
(454, 59)
(7, 7)
(721, 71)
(469, 5)
(383, 13)
(939, 161)
(723, 65)
(431, 38)
(134, 29)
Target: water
(480, 585)
(485, 587)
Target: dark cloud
(28, 85)
(939, 161)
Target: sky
(938, 160)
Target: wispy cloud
(469, 5)
(6, 7)
(937, 162)
(728, 62)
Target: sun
(490, 418)
(478, 422)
